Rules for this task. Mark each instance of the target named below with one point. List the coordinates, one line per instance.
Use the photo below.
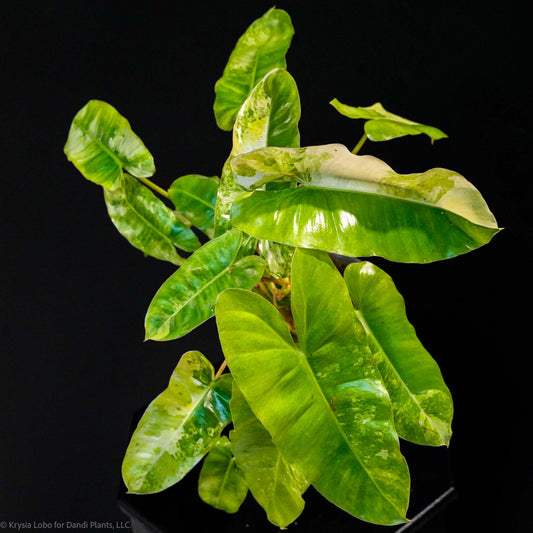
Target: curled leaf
(101, 144)
(382, 125)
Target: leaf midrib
(204, 287)
(169, 241)
(331, 414)
(178, 429)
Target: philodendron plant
(324, 372)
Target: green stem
(155, 187)
(359, 144)
(165, 194)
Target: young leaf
(382, 125)
(358, 206)
(278, 258)
(421, 401)
(179, 427)
(187, 298)
(322, 400)
(101, 143)
(221, 484)
(147, 223)
(268, 117)
(260, 49)
(273, 482)
(195, 197)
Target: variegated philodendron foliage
(325, 371)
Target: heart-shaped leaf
(187, 298)
(322, 400)
(260, 49)
(268, 117)
(147, 223)
(422, 403)
(273, 482)
(179, 427)
(221, 484)
(382, 125)
(195, 197)
(101, 144)
(358, 206)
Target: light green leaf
(195, 197)
(147, 223)
(422, 403)
(259, 50)
(358, 206)
(268, 117)
(273, 482)
(382, 125)
(187, 298)
(101, 143)
(221, 484)
(278, 258)
(322, 401)
(179, 427)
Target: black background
(74, 367)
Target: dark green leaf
(187, 298)
(101, 143)
(422, 403)
(221, 484)
(358, 206)
(147, 223)
(195, 197)
(274, 483)
(179, 427)
(259, 50)
(322, 400)
(382, 125)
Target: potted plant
(323, 373)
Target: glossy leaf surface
(221, 484)
(101, 143)
(195, 197)
(269, 117)
(147, 223)
(358, 206)
(179, 427)
(259, 50)
(278, 258)
(382, 125)
(322, 401)
(187, 298)
(274, 483)
(422, 403)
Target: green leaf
(382, 125)
(358, 206)
(322, 400)
(195, 197)
(147, 223)
(259, 50)
(221, 484)
(422, 403)
(278, 258)
(268, 117)
(179, 427)
(101, 143)
(187, 298)
(273, 482)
